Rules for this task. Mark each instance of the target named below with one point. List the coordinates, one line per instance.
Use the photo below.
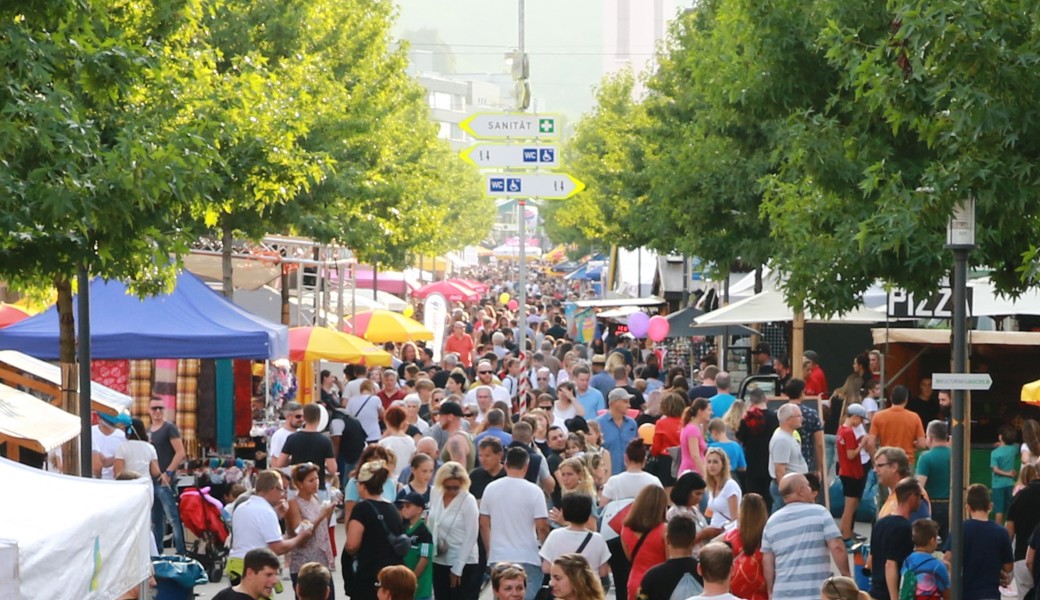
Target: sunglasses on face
(483, 372)
(156, 408)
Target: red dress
(651, 553)
(747, 579)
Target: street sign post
(961, 381)
(513, 156)
(548, 186)
(502, 126)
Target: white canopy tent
(28, 422)
(21, 369)
(771, 307)
(69, 537)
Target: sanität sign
(504, 126)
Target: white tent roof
(74, 537)
(102, 398)
(770, 307)
(32, 422)
(986, 302)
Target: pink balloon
(638, 324)
(513, 304)
(658, 328)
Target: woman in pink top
(691, 439)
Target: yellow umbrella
(1031, 392)
(385, 326)
(316, 343)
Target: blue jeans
(164, 506)
(778, 500)
(534, 580)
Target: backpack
(687, 587)
(352, 443)
(908, 581)
(908, 585)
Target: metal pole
(685, 281)
(960, 363)
(521, 319)
(83, 357)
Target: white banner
(435, 314)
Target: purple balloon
(658, 329)
(638, 324)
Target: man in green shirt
(933, 471)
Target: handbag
(400, 542)
(545, 592)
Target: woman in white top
(397, 440)
(566, 405)
(136, 454)
(454, 521)
(367, 408)
(723, 492)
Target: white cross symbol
(547, 125)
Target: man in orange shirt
(897, 426)
(461, 344)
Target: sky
(564, 41)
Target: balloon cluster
(656, 328)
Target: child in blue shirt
(735, 452)
(1002, 463)
(933, 579)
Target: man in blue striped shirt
(798, 543)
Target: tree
(932, 105)
(608, 155)
(97, 168)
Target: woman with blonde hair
(723, 491)
(572, 578)
(574, 477)
(692, 442)
(841, 588)
(734, 416)
(455, 522)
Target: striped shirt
(797, 536)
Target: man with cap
(763, 357)
(449, 421)
(618, 428)
(105, 438)
(601, 379)
(815, 378)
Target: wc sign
(907, 305)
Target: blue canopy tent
(193, 321)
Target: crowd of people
(589, 468)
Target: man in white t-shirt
(254, 524)
(293, 413)
(514, 520)
(716, 562)
(785, 451)
(627, 484)
(105, 438)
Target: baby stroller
(203, 515)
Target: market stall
(70, 537)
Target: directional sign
(550, 186)
(518, 126)
(513, 156)
(961, 381)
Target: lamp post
(960, 238)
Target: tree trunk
(226, 241)
(758, 279)
(69, 371)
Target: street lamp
(960, 238)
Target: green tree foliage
(835, 138)
(96, 166)
(606, 153)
